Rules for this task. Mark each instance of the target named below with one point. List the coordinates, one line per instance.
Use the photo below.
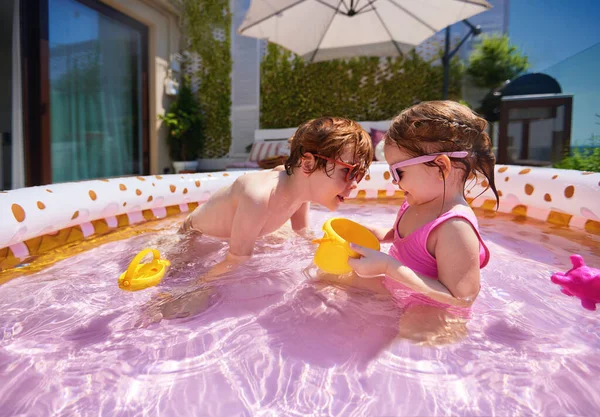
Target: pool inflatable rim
(38, 219)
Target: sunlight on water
(274, 339)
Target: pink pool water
(271, 339)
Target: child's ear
(308, 163)
(445, 165)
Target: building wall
(245, 87)
(164, 39)
(6, 38)
(6, 27)
(578, 75)
(563, 41)
(551, 31)
(492, 21)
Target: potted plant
(185, 129)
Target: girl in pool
(432, 148)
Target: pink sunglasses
(420, 160)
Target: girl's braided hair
(446, 126)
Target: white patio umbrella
(320, 30)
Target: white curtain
(18, 163)
(94, 125)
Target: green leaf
(494, 60)
(365, 88)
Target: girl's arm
(383, 234)
(457, 255)
(432, 288)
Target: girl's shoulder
(461, 208)
(460, 217)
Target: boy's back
(254, 190)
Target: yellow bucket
(334, 248)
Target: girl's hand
(372, 263)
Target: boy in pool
(329, 156)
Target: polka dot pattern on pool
(63, 213)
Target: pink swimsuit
(412, 251)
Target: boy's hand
(217, 270)
(308, 234)
(177, 304)
(372, 263)
(228, 264)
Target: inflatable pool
(275, 337)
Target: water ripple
(276, 338)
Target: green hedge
(293, 91)
(201, 20)
(584, 158)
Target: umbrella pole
(473, 30)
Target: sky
(562, 39)
(549, 31)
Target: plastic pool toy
(140, 276)
(581, 281)
(334, 248)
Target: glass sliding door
(97, 81)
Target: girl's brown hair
(329, 136)
(446, 126)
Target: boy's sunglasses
(354, 170)
(421, 160)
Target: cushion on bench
(263, 150)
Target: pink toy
(580, 281)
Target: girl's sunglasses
(354, 170)
(397, 172)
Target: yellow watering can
(140, 276)
(334, 248)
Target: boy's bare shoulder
(255, 187)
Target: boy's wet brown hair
(329, 137)
(445, 126)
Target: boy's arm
(248, 221)
(300, 218)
